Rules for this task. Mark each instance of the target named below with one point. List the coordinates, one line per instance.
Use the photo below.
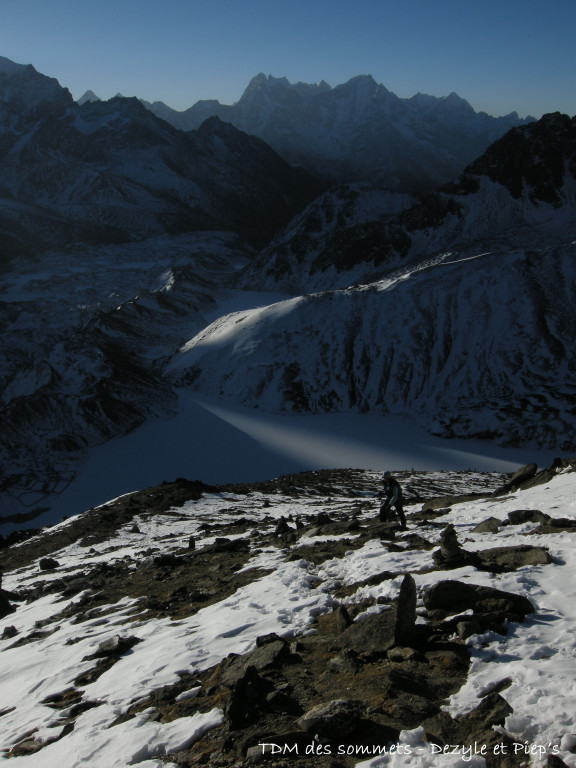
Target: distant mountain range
(452, 309)
(357, 131)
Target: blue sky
(500, 55)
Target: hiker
(392, 498)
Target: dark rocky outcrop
(526, 478)
(334, 719)
(520, 476)
(457, 596)
(370, 636)
(503, 559)
(520, 516)
(490, 525)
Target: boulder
(9, 632)
(521, 476)
(263, 657)
(6, 606)
(457, 596)
(343, 619)
(405, 612)
(386, 531)
(505, 559)
(445, 503)
(399, 654)
(222, 544)
(519, 516)
(333, 719)
(168, 560)
(490, 525)
(372, 634)
(492, 710)
(247, 699)
(466, 628)
(48, 564)
(282, 527)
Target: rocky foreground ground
(323, 698)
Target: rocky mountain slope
(520, 194)
(282, 621)
(358, 131)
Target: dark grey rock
(168, 561)
(263, 657)
(282, 527)
(372, 635)
(405, 611)
(333, 719)
(467, 628)
(6, 606)
(456, 596)
(386, 531)
(48, 564)
(247, 699)
(505, 559)
(343, 619)
(9, 632)
(400, 654)
(444, 503)
(491, 525)
(521, 476)
(230, 545)
(519, 516)
(492, 710)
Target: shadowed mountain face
(113, 172)
(115, 231)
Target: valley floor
(216, 442)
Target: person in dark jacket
(392, 498)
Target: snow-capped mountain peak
(357, 131)
(88, 97)
(23, 89)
